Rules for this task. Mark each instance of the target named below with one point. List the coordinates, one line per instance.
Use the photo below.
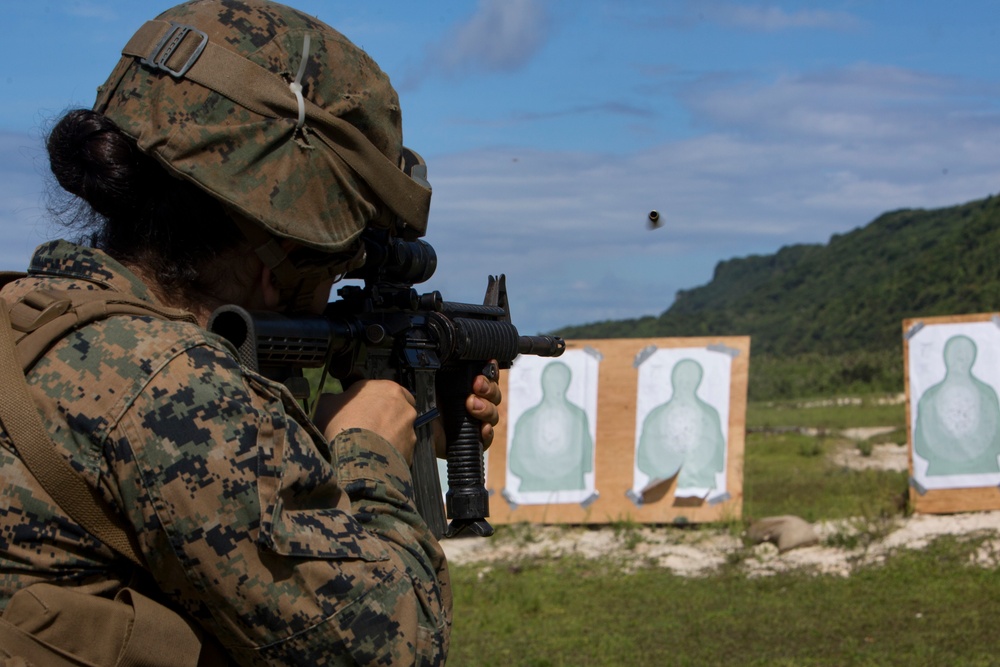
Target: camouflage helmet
(274, 113)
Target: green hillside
(833, 312)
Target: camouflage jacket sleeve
(288, 549)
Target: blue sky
(553, 127)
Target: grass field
(921, 608)
(927, 607)
(788, 470)
(790, 473)
(847, 412)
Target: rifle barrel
(541, 346)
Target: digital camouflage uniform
(286, 548)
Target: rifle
(386, 330)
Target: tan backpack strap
(56, 626)
(17, 643)
(44, 316)
(65, 485)
(177, 640)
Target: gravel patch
(701, 551)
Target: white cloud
(771, 18)
(861, 102)
(502, 36)
(92, 10)
(758, 17)
(789, 161)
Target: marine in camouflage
(286, 548)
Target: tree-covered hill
(846, 298)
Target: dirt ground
(700, 551)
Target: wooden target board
(650, 430)
(952, 377)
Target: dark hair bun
(130, 207)
(92, 159)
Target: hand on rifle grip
(482, 403)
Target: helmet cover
(269, 168)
